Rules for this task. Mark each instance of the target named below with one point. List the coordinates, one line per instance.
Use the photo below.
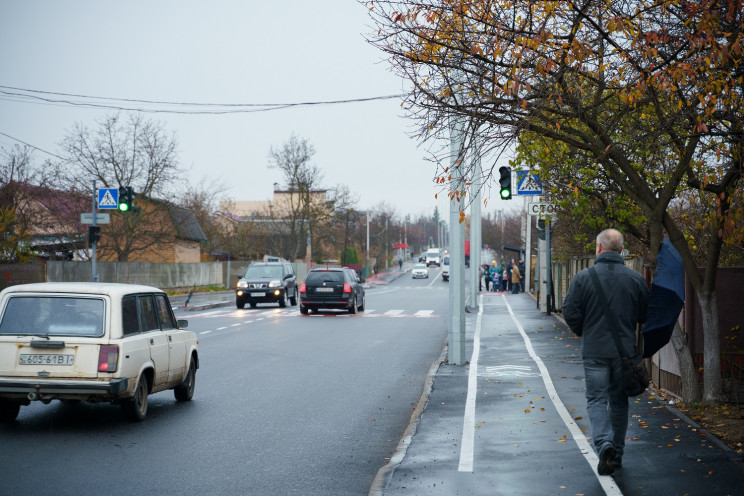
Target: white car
(420, 270)
(95, 342)
(445, 268)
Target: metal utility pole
(456, 323)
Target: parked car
(420, 270)
(332, 288)
(95, 342)
(267, 282)
(445, 268)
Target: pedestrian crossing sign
(528, 183)
(108, 198)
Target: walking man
(627, 296)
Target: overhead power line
(196, 108)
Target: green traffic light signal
(506, 183)
(126, 195)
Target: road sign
(528, 183)
(541, 209)
(87, 218)
(108, 198)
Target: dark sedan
(332, 288)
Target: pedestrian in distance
(515, 279)
(584, 311)
(485, 272)
(400, 264)
(507, 275)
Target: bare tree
(128, 151)
(20, 183)
(302, 205)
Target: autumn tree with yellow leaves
(645, 95)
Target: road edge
(385, 474)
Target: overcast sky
(250, 51)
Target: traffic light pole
(94, 276)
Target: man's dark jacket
(627, 297)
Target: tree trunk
(688, 373)
(712, 382)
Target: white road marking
(220, 328)
(468, 424)
(424, 313)
(205, 332)
(607, 483)
(394, 312)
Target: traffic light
(94, 234)
(126, 195)
(506, 183)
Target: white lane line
(394, 312)
(235, 325)
(220, 328)
(468, 424)
(607, 483)
(424, 313)
(205, 332)
(247, 321)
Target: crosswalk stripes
(269, 313)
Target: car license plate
(46, 360)
(324, 290)
(258, 295)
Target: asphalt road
(284, 404)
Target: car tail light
(347, 287)
(108, 357)
(303, 288)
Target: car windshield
(53, 316)
(264, 272)
(419, 266)
(320, 277)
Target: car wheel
(185, 390)
(293, 299)
(135, 408)
(303, 310)
(239, 303)
(9, 410)
(283, 301)
(353, 307)
(364, 302)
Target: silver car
(420, 271)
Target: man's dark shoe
(617, 462)
(605, 466)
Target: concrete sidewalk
(519, 426)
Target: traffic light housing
(94, 234)
(126, 196)
(505, 192)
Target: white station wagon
(92, 342)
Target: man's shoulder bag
(635, 374)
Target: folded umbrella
(665, 300)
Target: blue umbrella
(665, 300)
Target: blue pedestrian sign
(108, 198)
(528, 183)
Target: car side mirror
(183, 323)
(361, 280)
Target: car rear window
(53, 316)
(324, 276)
